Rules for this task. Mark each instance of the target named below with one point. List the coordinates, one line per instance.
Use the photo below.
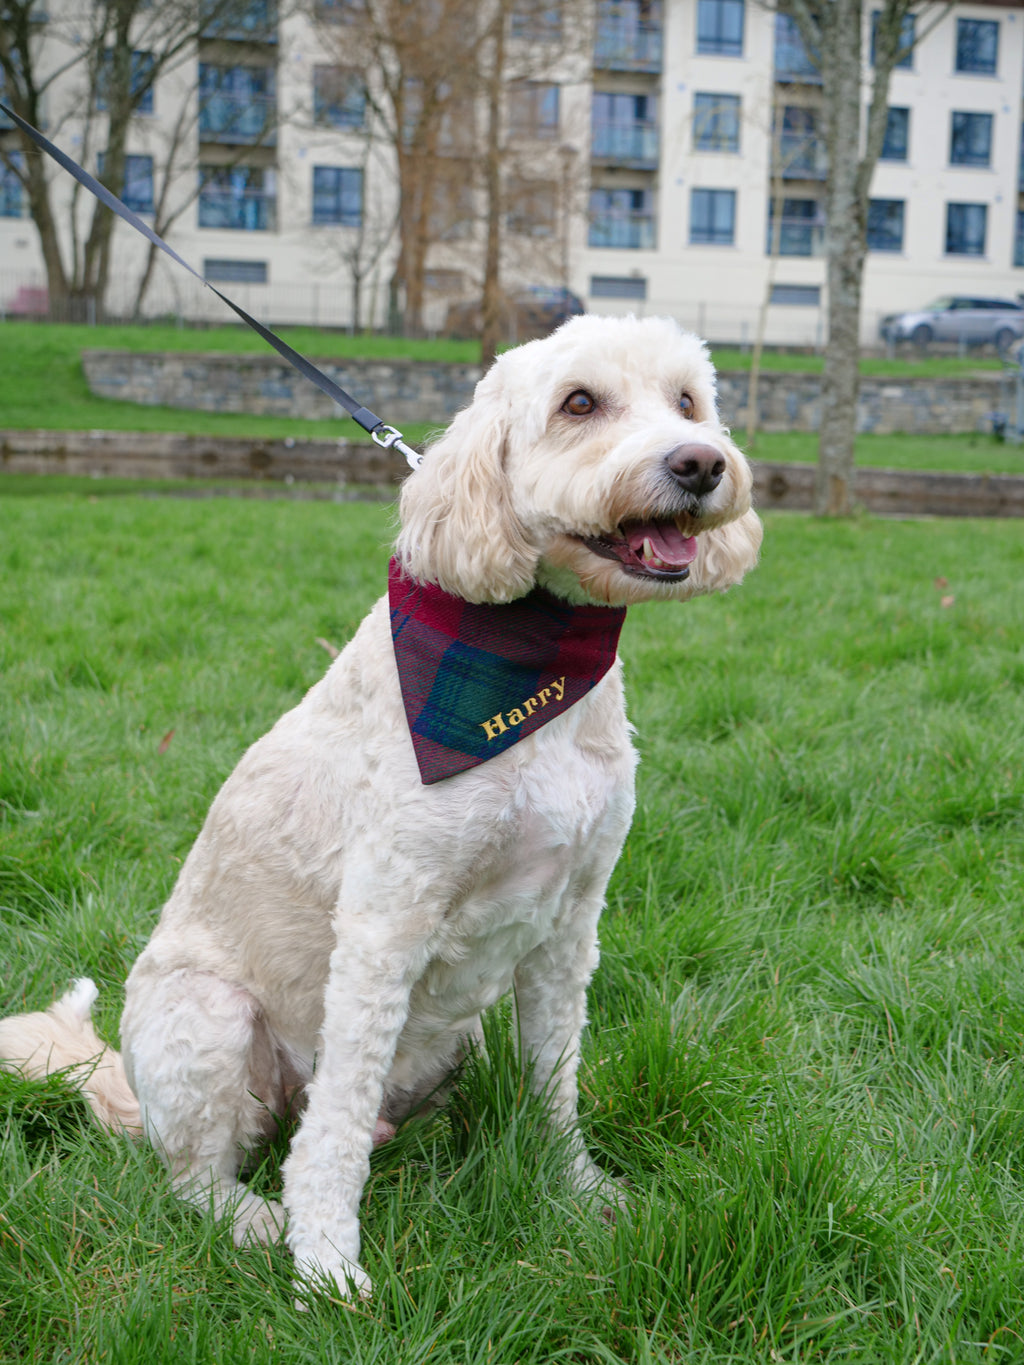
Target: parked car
(961, 318)
(525, 313)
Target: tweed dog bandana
(478, 677)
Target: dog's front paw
(599, 1190)
(334, 1276)
(257, 1222)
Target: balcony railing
(623, 43)
(251, 211)
(625, 144)
(238, 118)
(631, 230)
(248, 21)
(802, 157)
(799, 237)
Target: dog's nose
(697, 468)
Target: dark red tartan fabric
(477, 678)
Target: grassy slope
(42, 385)
(807, 1024)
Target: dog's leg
(201, 1062)
(366, 1004)
(551, 1010)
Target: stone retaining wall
(402, 391)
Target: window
(971, 141)
(235, 272)
(140, 81)
(965, 229)
(337, 196)
(720, 27)
(242, 21)
(896, 146)
(801, 150)
(618, 287)
(624, 128)
(137, 192)
(339, 97)
(238, 197)
(801, 227)
(905, 50)
(716, 123)
(797, 295)
(237, 104)
(628, 36)
(712, 217)
(533, 110)
(793, 62)
(977, 46)
(10, 187)
(621, 218)
(1018, 243)
(533, 208)
(453, 208)
(885, 225)
(536, 23)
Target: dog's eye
(686, 405)
(580, 404)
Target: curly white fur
(338, 927)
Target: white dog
(348, 909)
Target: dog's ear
(458, 527)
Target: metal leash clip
(389, 437)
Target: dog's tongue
(654, 541)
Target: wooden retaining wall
(159, 455)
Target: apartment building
(672, 164)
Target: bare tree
(442, 74)
(422, 63)
(832, 33)
(527, 42)
(91, 68)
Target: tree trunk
(844, 252)
(490, 335)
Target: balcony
(634, 145)
(793, 63)
(240, 21)
(241, 198)
(801, 158)
(237, 105)
(629, 37)
(621, 219)
(799, 237)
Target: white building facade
(674, 167)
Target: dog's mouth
(648, 549)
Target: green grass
(42, 385)
(964, 453)
(806, 1029)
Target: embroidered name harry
(497, 725)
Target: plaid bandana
(477, 678)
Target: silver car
(963, 318)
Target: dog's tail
(63, 1039)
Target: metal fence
(800, 324)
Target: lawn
(806, 1029)
(42, 385)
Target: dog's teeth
(648, 556)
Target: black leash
(382, 434)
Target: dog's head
(591, 462)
